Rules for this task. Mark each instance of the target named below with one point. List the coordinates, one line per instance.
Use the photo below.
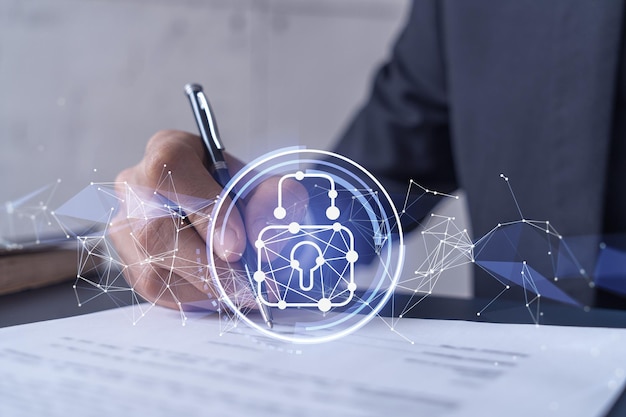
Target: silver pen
(207, 126)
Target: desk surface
(59, 301)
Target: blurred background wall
(85, 83)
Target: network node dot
(352, 287)
(259, 244)
(259, 276)
(282, 304)
(295, 264)
(336, 226)
(280, 212)
(324, 305)
(352, 256)
(332, 212)
(294, 228)
(332, 193)
(319, 261)
(299, 175)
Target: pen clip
(215, 135)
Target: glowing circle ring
(374, 298)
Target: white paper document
(102, 365)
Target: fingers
(165, 262)
(164, 259)
(160, 286)
(174, 166)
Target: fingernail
(226, 242)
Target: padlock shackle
(332, 212)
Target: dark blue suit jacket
(478, 88)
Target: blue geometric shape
(610, 270)
(92, 204)
(512, 272)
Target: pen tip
(270, 325)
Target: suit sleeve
(402, 131)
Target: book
(32, 266)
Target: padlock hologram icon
(326, 280)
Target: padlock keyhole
(301, 263)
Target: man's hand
(165, 254)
